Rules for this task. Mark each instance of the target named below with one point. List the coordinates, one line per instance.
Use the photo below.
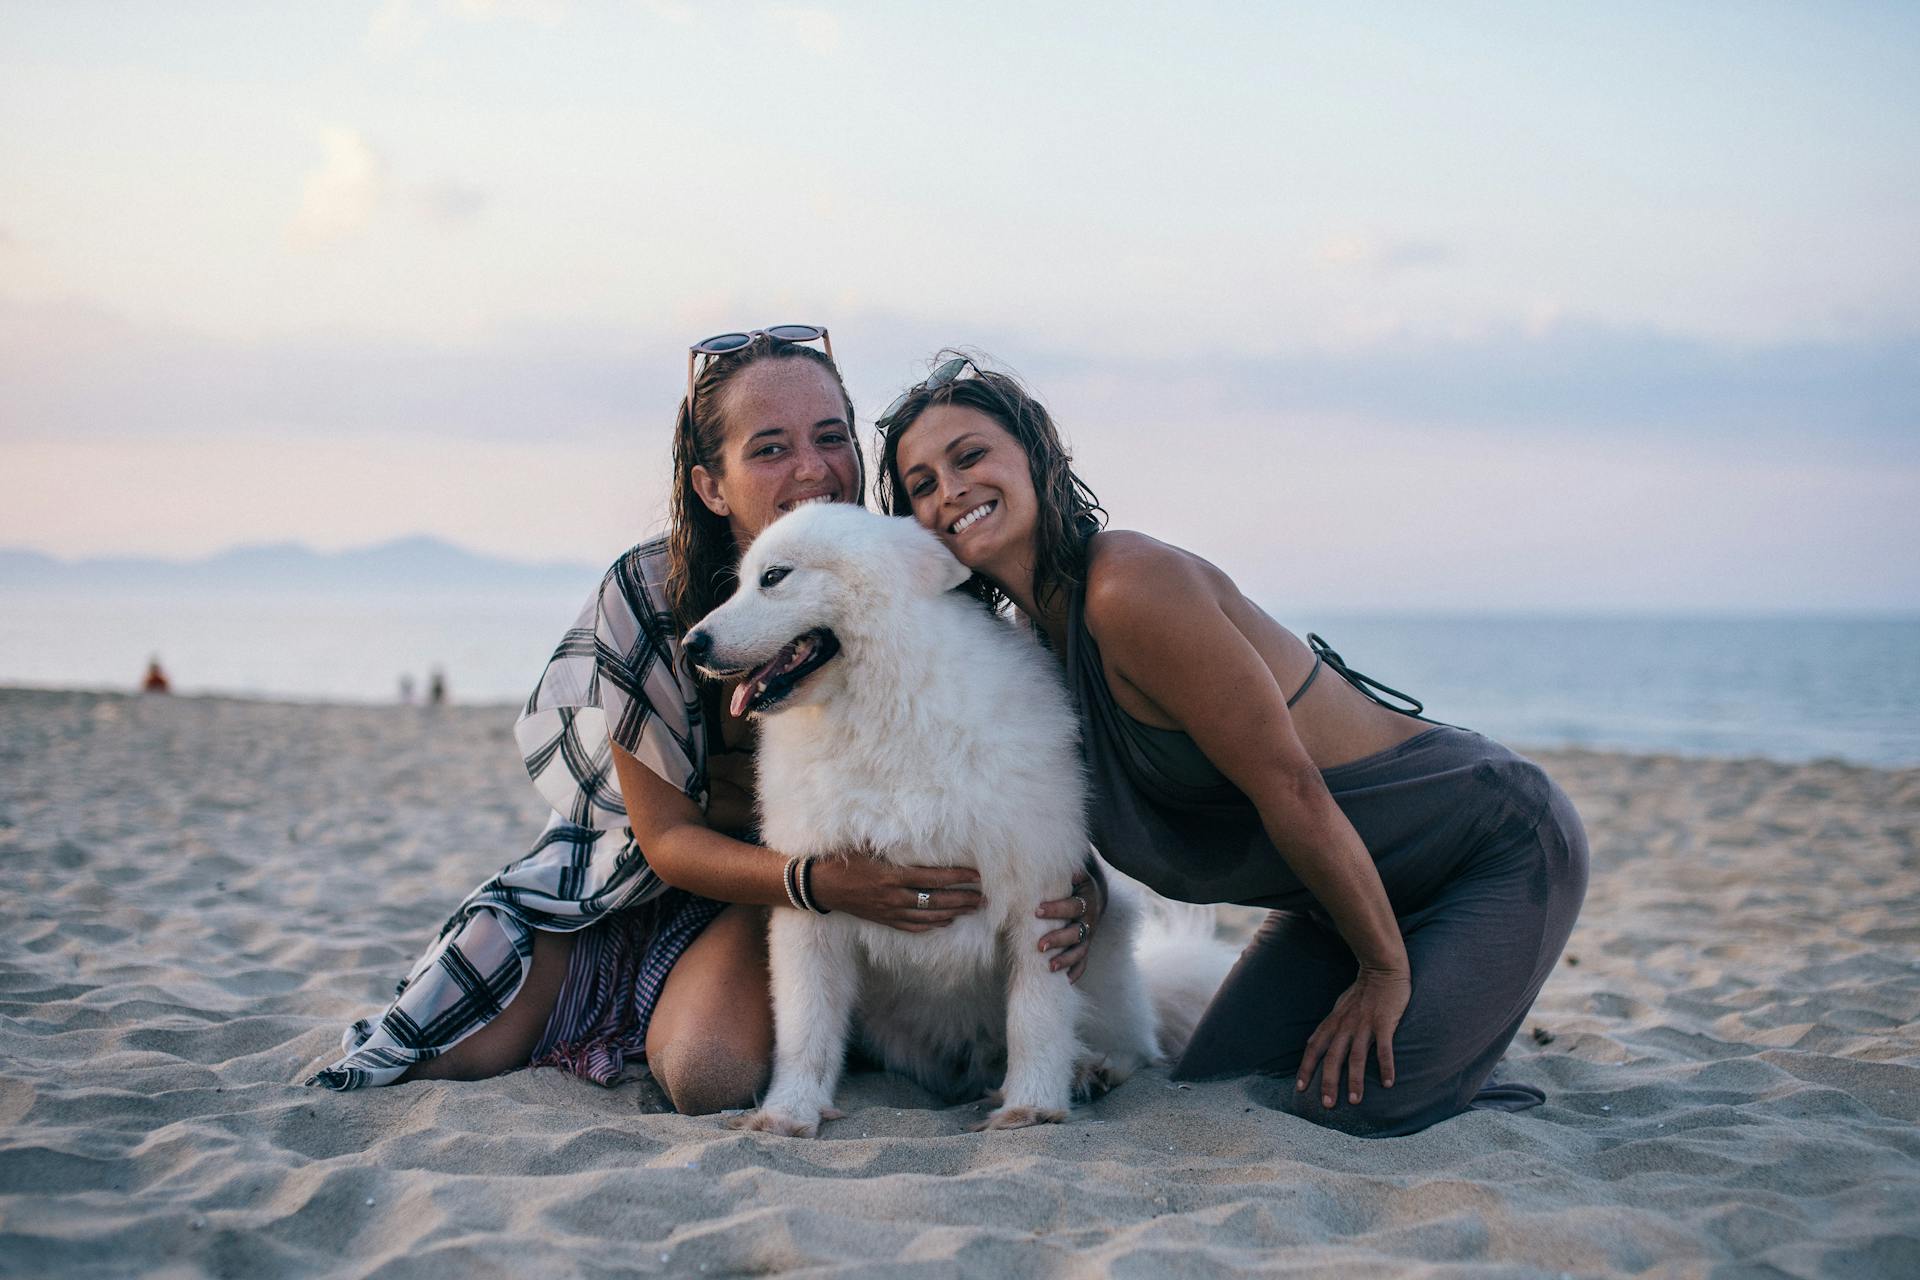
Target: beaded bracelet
(791, 879)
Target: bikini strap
(1307, 684)
(1324, 652)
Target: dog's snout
(698, 646)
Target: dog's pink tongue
(743, 693)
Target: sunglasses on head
(721, 344)
(948, 371)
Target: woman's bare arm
(730, 793)
(687, 853)
(1159, 618)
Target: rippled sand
(199, 893)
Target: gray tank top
(1164, 814)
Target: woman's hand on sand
(887, 894)
(1365, 1016)
(1083, 906)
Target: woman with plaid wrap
(636, 926)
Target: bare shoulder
(1132, 578)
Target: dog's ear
(935, 571)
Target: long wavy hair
(1069, 512)
(702, 555)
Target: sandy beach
(201, 893)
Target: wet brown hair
(1069, 512)
(702, 555)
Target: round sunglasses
(721, 344)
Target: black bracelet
(805, 879)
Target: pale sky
(1470, 306)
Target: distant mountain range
(404, 566)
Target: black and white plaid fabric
(615, 677)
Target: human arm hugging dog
(689, 854)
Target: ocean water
(1788, 688)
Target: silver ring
(923, 900)
(1082, 926)
(1083, 905)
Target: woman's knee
(704, 1074)
(711, 1042)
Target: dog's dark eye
(773, 575)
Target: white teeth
(972, 517)
(807, 502)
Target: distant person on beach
(1422, 879)
(436, 688)
(156, 679)
(636, 927)
(406, 690)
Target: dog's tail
(1184, 963)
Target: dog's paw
(1095, 1077)
(994, 1097)
(769, 1120)
(1020, 1118)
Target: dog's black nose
(697, 646)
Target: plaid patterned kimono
(615, 677)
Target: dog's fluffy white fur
(938, 736)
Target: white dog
(899, 717)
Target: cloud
(680, 13)
(1381, 253)
(396, 26)
(71, 369)
(399, 26)
(451, 202)
(813, 29)
(1579, 467)
(1568, 378)
(339, 197)
(545, 12)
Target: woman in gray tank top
(1421, 879)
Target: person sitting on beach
(636, 927)
(156, 679)
(1422, 879)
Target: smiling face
(788, 442)
(969, 481)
